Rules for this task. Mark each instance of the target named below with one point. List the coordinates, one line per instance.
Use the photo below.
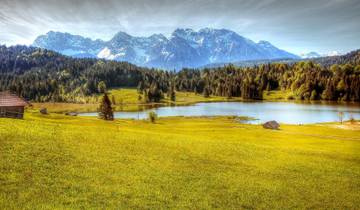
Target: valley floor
(60, 162)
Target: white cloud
(295, 26)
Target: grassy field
(126, 99)
(277, 95)
(60, 162)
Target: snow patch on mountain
(105, 53)
(184, 48)
(310, 55)
(333, 53)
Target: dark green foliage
(105, 109)
(171, 93)
(42, 75)
(206, 92)
(352, 58)
(154, 94)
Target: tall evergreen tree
(105, 109)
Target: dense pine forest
(43, 75)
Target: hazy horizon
(298, 27)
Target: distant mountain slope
(349, 58)
(250, 63)
(184, 48)
(68, 44)
(19, 59)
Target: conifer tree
(206, 92)
(105, 109)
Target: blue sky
(296, 26)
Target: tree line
(42, 75)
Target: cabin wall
(12, 112)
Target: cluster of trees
(228, 81)
(42, 75)
(352, 58)
(155, 84)
(307, 81)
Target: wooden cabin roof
(8, 99)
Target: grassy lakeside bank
(127, 100)
(57, 162)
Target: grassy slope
(64, 162)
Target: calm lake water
(284, 112)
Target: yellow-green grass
(60, 162)
(277, 95)
(127, 99)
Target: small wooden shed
(12, 106)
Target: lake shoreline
(263, 111)
(158, 105)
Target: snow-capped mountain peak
(310, 55)
(158, 37)
(333, 53)
(317, 55)
(184, 48)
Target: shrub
(290, 97)
(313, 95)
(352, 120)
(152, 116)
(102, 87)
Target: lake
(284, 112)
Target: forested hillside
(42, 75)
(352, 58)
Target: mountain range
(183, 48)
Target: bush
(102, 87)
(152, 116)
(290, 97)
(352, 120)
(313, 95)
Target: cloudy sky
(293, 25)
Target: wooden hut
(11, 106)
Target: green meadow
(59, 162)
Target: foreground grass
(59, 162)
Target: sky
(297, 26)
